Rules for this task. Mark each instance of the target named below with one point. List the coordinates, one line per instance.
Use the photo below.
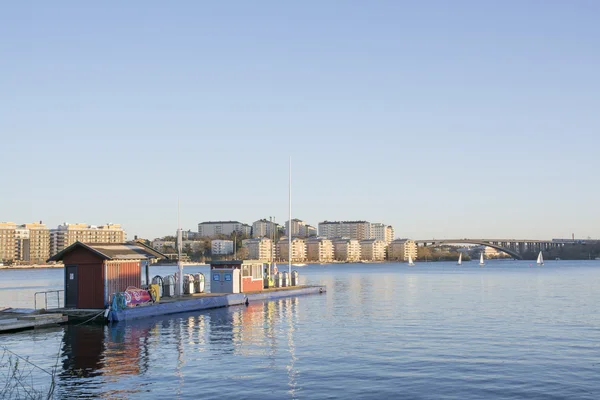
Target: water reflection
(97, 358)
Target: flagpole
(179, 248)
(290, 225)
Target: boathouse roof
(114, 251)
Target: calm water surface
(505, 331)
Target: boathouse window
(256, 272)
(246, 271)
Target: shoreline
(35, 266)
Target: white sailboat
(540, 259)
(459, 259)
(481, 259)
(410, 261)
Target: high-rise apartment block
(372, 250)
(382, 232)
(264, 228)
(346, 249)
(358, 230)
(216, 228)
(300, 229)
(221, 247)
(319, 249)
(259, 248)
(400, 249)
(67, 234)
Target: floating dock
(205, 301)
(12, 320)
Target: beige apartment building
(298, 249)
(24, 244)
(346, 250)
(67, 234)
(7, 241)
(400, 249)
(319, 249)
(259, 248)
(36, 248)
(372, 250)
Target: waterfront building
(33, 243)
(66, 234)
(298, 249)
(400, 249)
(382, 232)
(259, 248)
(319, 249)
(372, 250)
(345, 249)
(24, 244)
(358, 230)
(264, 228)
(221, 247)
(300, 229)
(7, 241)
(216, 228)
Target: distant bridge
(513, 247)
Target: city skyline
(463, 120)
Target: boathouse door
(71, 286)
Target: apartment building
(34, 244)
(259, 248)
(7, 241)
(357, 230)
(372, 250)
(24, 244)
(221, 247)
(298, 249)
(216, 228)
(319, 249)
(264, 228)
(300, 229)
(400, 249)
(164, 245)
(345, 249)
(67, 234)
(382, 232)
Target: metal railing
(58, 305)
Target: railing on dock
(58, 304)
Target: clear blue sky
(443, 119)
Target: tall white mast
(290, 225)
(179, 248)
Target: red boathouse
(93, 272)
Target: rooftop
(343, 222)
(113, 251)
